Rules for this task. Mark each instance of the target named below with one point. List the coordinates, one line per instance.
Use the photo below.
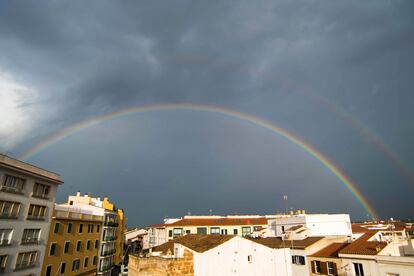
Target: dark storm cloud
(273, 59)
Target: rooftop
(276, 242)
(12, 163)
(362, 246)
(214, 222)
(331, 251)
(198, 243)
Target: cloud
(18, 112)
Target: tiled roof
(216, 222)
(198, 243)
(275, 242)
(362, 246)
(294, 228)
(331, 251)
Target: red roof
(331, 251)
(364, 247)
(215, 222)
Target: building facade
(27, 196)
(86, 239)
(203, 225)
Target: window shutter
(313, 266)
(324, 269)
(335, 269)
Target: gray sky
(338, 74)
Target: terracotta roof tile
(331, 251)
(362, 246)
(275, 242)
(219, 222)
(198, 243)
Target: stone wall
(159, 266)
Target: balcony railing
(108, 252)
(105, 267)
(28, 241)
(8, 216)
(111, 223)
(42, 196)
(5, 242)
(12, 190)
(25, 265)
(75, 215)
(33, 217)
(110, 238)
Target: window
(316, 267)
(94, 260)
(62, 268)
(66, 248)
(26, 259)
(75, 265)
(90, 228)
(30, 236)
(56, 229)
(78, 246)
(299, 260)
(81, 228)
(9, 209)
(177, 232)
(97, 228)
(52, 251)
(88, 245)
(187, 231)
(202, 230)
(330, 268)
(235, 231)
(249, 258)
(36, 212)
(69, 227)
(246, 231)
(96, 244)
(359, 270)
(170, 233)
(3, 262)
(48, 270)
(85, 262)
(5, 236)
(13, 184)
(41, 190)
(224, 231)
(215, 230)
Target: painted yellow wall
(62, 236)
(107, 204)
(120, 233)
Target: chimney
(78, 193)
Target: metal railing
(27, 241)
(33, 217)
(111, 223)
(108, 252)
(25, 265)
(8, 216)
(5, 242)
(12, 190)
(42, 196)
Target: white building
(27, 196)
(302, 225)
(214, 255)
(240, 225)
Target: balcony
(25, 265)
(41, 196)
(32, 217)
(111, 224)
(5, 243)
(29, 241)
(12, 190)
(8, 216)
(106, 267)
(76, 215)
(110, 238)
(108, 252)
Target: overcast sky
(337, 74)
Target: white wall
(231, 258)
(318, 224)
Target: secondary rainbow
(60, 135)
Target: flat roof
(19, 165)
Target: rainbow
(66, 132)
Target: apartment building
(27, 196)
(87, 237)
(203, 225)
